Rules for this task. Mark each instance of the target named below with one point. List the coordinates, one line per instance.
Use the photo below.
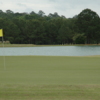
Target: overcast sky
(68, 8)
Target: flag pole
(1, 35)
(3, 54)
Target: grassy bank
(17, 45)
(33, 45)
(50, 78)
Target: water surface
(51, 51)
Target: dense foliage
(37, 28)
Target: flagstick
(3, 54)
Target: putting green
(50, 70)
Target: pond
(51, 51)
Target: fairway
(50, 78)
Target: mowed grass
(50, 78)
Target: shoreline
(33, 45)
(49, 56)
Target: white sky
(68, 8)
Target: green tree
(22, 26)
(79, 38)
(64, 34)
(41, 13)
(51, 32)
(87, 22)
(12, 33)
(35, 31)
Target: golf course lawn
(49, 78)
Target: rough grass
(50, 78)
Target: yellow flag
(1, 33)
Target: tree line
(38, 28)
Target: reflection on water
(52, 51)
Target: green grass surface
(50, 78)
